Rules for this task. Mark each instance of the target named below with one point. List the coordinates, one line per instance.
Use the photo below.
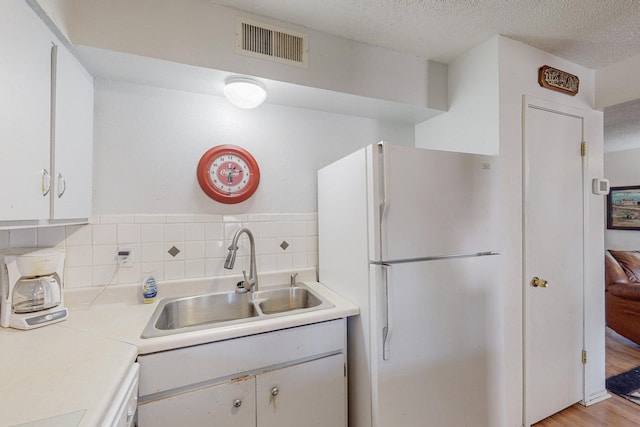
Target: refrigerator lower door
(437, 346)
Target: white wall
(471, 123)
(147, 144)
(202, 33)
(519, 65)
(148, 141)
(618, 83)
(486, 88)
(621, 168)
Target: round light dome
(244, 92)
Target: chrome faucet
(252, 280)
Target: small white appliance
(600, 186)
(31, 287)
(412, 236)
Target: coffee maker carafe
(31, 287)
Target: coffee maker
(31, 287)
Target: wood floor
(621, 355)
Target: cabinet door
(308, 394)
(25, 107)
(73, 138)
(222, 405)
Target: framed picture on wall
(623, 208)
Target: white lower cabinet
(228, 404)
(285, 378)
(309, 394)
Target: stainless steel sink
(185, 314)
(204, 309)
(285, 299)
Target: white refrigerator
(412, 237)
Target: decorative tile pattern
(199, 244)
(173, 251)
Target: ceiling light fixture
(244, 92)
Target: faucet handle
(244, 285)
(293, 279)
(240, 287)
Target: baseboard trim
(596, 398)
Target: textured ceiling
(592, 33)
(622, 126)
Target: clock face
(228, 174)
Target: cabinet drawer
(191, 365)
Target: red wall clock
(228, 174)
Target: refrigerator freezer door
(435, 203)
(437, 348)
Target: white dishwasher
(123, 409)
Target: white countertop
(53, 371)
(78, 364)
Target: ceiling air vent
(265, 41)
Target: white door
(308, 394)
(73, 143)
(25, 101)
(553, 252)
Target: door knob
(538, 282)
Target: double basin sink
(185, 314)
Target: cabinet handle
(272, 399)
(237, 403)
(62, 183)
(46, 182)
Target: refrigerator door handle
(387, 329)
(384, 196)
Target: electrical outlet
(125, 257)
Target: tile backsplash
(172, 246)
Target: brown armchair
(622, 293)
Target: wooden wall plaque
(561, 81)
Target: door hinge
(583, 148)
(584, 357)
(345, 370)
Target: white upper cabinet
(73, 138)
(25, 113)
(46, 136)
